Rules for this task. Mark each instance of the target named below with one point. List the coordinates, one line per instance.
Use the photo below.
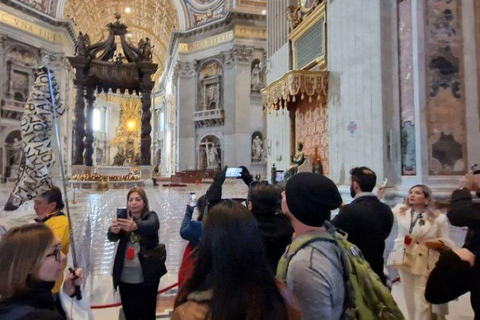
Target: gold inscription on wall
(250, 32)
(205, 43)
(29, 27)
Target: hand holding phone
(122, 213)
(234, 173)
(384, 183)
(193, 199)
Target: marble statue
(256, 78)
(213, 160)
(257, 149)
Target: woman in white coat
(422, 233)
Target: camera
(122, 213)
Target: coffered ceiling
(155, 19)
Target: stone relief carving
(186, 69)
(210, 86)
(228, 59)
(243, 53)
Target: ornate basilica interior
(178, 89)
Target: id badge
(130, 253)
(407, 240)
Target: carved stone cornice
(243, 53)
(29, 11)
(187, 69)
(228, 59)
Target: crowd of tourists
(278, 254)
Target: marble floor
(92, 213)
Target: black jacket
(451, 278)
(276, 231)
(148, 227)
(36, 303)
(465, 213)
(368, 223)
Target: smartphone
(122, 213)
(193, 199)
(384, 183)
(233, 173)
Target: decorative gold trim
(303, 28)
(297, 82)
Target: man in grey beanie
(315, 272)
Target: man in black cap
(314, 273)
(367, 221)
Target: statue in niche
(212, 95)
(257, 82)
(257, 151)
(213, 160)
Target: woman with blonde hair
(422, 234)
(31, 261)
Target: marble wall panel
(311, 128)
(446, 106)
(407, 107)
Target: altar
(114, 170)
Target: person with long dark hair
(231, 277)
(134, 272)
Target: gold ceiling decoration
(296, 84)
(155, 19)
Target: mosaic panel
(201, 12)
(40, 5)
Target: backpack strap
(296, 245)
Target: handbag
(154, 261)
(399, 259)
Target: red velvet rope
(113, 305)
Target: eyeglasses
(57, 253)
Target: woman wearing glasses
(31, 261)
(231, 277)
(422, 233)
(48, 206)
(135, 270)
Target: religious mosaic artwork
(446, 104)
(201, 12)
(407, 107)
(36, 129)
(41, 5)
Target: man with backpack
(315, 272)
(328, 274)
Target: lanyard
(414, 222)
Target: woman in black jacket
(136, 271)
(31, 261)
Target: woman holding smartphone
(134, 271)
